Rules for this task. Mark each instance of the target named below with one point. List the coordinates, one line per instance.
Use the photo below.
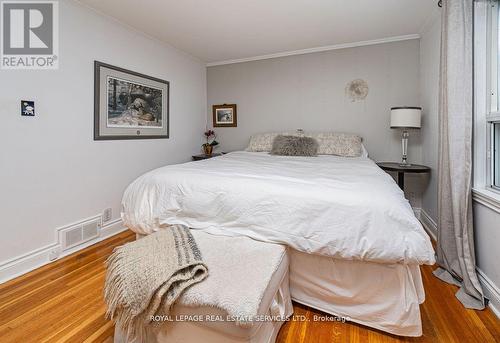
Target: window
(495, 148)
(486, 154)
(493, 110)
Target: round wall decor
(356, 90)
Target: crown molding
(317, 49)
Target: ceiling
(220, 30)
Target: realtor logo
(29, 37)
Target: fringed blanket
(145, 277)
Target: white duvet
(340, 207)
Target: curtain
(455, 246)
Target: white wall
(308, 91)
(52, 173)
(430, 45)
(487, 240)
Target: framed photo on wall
(224, 115)
(129, 105)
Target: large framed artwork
(224, 115)
(129, 105)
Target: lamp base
(404, 146)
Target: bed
(356, 245)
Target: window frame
(495, 155)
(482, 192)
(492, 115)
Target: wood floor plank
(62, 302)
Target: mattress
(346, 208)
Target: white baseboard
(112, 228)
(491, 292)
(37, 258)
(427, 222)
(416, 211)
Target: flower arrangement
(211, 142)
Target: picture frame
(224, 115)
(129, 105)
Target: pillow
(264, 141)
(340, 144)
(294, 146)
(364, 152)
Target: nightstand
(401, 170)
(204, 156)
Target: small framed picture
(27, 108)
(224, 115)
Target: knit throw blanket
(145, 277)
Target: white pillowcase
(364, 152)
(339, 144)
(330, 143)
(264, 141)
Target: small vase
(207, 149)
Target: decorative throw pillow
(264, 141)
(294, 146)
(340, 144)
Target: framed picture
(224, 115)
(129, 105)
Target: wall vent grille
(79, 233)
(107, 215)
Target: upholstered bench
(245, 298)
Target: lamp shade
(406, 117)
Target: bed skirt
(382, 296)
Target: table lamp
(405, 118)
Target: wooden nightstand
(401, 170)
(204, 156)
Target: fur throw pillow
(294, 146)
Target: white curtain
(455, 246)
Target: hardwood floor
(62, 302)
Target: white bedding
(341, 207)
